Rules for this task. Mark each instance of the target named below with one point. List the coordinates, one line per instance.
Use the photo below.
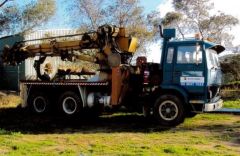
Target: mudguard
(180, 90)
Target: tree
(5, 16)
(129, 14)
(194, 16)
(230, 67)
(218, 28)
(88, 14)
(19, 19)
(123, 13)
(174, 19)
(5, 1)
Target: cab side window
(170, 54)
(189, 55)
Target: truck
(185, 81)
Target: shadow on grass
(19, 120)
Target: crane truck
(184, 82)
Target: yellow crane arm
(107, 39)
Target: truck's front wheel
(70, 103)
(169, 110)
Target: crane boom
(107, 39)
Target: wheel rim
(168, 110)
(69, 105)
(39, 104)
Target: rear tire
(70, 103)
(39, 103)
(168, 110)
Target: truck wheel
(169, 110)
(39, 103)
(70, 103)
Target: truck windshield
(212, 58)
(189, 54)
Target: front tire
(169, 110)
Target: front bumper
(209, 107)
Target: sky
(150, 5)
(163, 6)
(227, 6)
(61, 19)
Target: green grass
(234, 82)
(206, 134)
(118, 134)
(232, 104)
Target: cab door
(168, 65)
(188, 69)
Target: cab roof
(217, 47)
(208, 45)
